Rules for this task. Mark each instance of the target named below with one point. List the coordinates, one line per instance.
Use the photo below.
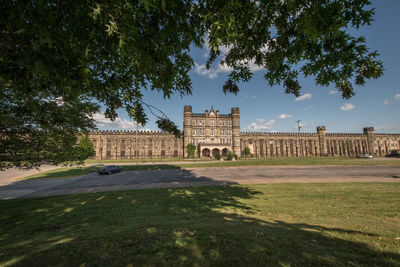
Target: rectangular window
(212, 141)
(212, 122)
(220, 123)
(212, 132)
(194, 122)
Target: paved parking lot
(94, 182)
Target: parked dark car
(109, 169)
(395, 153)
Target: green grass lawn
(351, 224)
(75, 171)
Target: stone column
(187, 127)
(370, 132)
(236, 131)
(323, 145)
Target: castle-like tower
(212, 132)
(236, 131)
(187, 127)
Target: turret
(370, 132)
(236, 131)
(187, 127)
(323, 147)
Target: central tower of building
(212, 132)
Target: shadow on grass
(64, 172)
(67, 172)
(184, 226)
(134, 177)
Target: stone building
(213, 132)
(132, 144)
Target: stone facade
(212, 132)
(132, 144)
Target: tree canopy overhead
(110, 51)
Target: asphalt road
(94, 182)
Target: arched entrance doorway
(224, 152)
(205, 152)
(215, 151)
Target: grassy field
(278, 225)
(75, 171)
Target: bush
(229, 156)
(191, 149)
(217, 156)
(236, 156)
(246, 152)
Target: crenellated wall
(320, 143)
(131, 144)
(212, 132)
(384, 143)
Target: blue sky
(268, 109)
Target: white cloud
(387, 102)
(347, 107)
(261, 124)
(333, 92)
(119, 123)
(303, 97)
(58, 100)
(250, 96)
(212, 72)
(284, 116)
(309, 107)
(387, 128)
